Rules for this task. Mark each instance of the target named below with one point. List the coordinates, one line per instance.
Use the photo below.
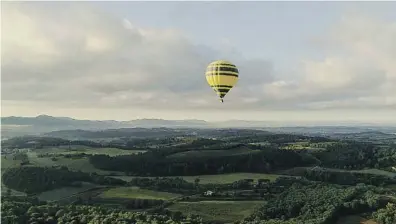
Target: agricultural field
(64, 192)
(13, 192)
(216, 179)
(229, 178)
(87, 150)
(8, 162)
(224, 211)
(299, 170)
(81, 164)
(369, 171)
(305, 146)
(260, 143)
(377, 172)
(136, 192)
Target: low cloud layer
(73, 55)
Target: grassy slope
(219, 178)
(229, 178)
(64, 192)
(86, 150)
(8, 162)
(135, 192)
(299, 170)
(226, 211)
(72, 163)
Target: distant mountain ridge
(12, 126)
(46, 120)
(16, 126)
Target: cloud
(74, 55)
(359, 70)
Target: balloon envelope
(221, 76)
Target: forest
(284, 178)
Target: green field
(8, 162)
(370, 171)
(377, 171)
(299, 171)
(216, 179)
(81, 164)
(136, 192)
(301, 146)
(229, 178)
(225, 211)
(65, 192)
(13, 192)
(86, 150)
(72, 163)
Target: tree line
(322, 203)
(158, 164)
(39, 179)
(21, 210)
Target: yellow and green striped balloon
(221, 76)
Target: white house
(208, 193)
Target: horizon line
(329, 122)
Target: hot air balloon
(221, 76)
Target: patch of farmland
(81, 164)
(229, 178)
(136, 192)
(64, 192)
(214, 179)
(86, 150)
(223, 211)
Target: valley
(201, 175)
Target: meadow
(299, 170)
(65, 192)
(225, 211)
(136, 192)
(75, 164)
(75, 149)
(216, 179)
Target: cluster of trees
(386, 215)
(356, 155)
(134, 203)
(38, 179)
(270, 138)
(41, 142)
(346, 178)
(28, 210)
(180, 185)
(168, 184)
(345, 155)
(319, 203)
(385, 157)
(157, 164)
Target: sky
(298, 61)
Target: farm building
(208, 193)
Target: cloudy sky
(304, 61)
